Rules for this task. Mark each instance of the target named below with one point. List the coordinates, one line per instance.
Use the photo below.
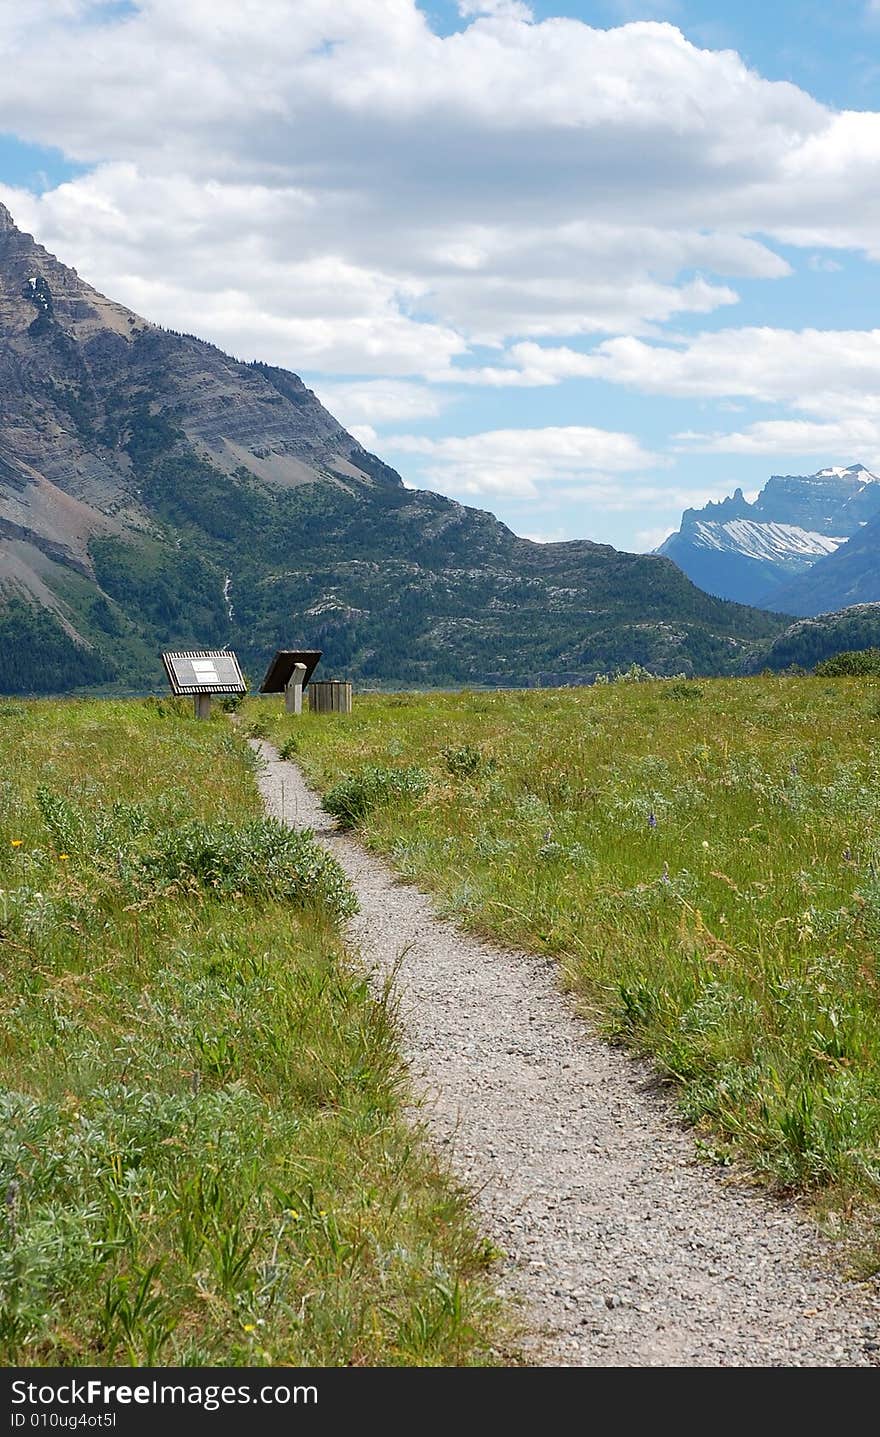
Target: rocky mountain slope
(156, 492)
(753, 553)
(850, 575)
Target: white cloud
(379, 401)
(647, 540)
(831, 378)
(855, 439)
(364, 434)
(497, 9)
(340, 188)
(190, 256)
(824, 372)
(516, 463)
(219, 259)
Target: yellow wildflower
(16, 842)
(63, 856)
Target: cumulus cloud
(515, 463)
(820, 371)
(380, 401)
(341, 188)
(831, 378)
(857, 437)
(198, 262)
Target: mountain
(810, 640)
(155, 492)
(753, 552)
(850, 575)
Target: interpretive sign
(288, 673)
(280, 671)
(200, 673)
(204, 671)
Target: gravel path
(622, 1249)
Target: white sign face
(201, 671)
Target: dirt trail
(623, 1250)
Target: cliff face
(156, 492)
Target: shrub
(258, 728)
(91, 832)
(467, 761)
(852, 663)
(635, 674)
(681, 689)
(352, 799)
(289, 748)
(263, 858)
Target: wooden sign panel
(280, 671)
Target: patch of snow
(837, 471)
(766, 542)
(227, 589)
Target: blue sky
(581, 264)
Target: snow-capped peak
(855, 471)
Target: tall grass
(703, 859)
(203, 1158)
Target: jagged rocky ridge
(156, 492)
(761, 553)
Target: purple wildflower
(652, 819)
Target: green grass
(703, 858)
(203, 1155)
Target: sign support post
(202, 704)
(289, 674)
(293, 692)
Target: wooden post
(293, 694)
(330, 696)
(203, 706)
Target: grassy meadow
(704, 860)
(203, 1157)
